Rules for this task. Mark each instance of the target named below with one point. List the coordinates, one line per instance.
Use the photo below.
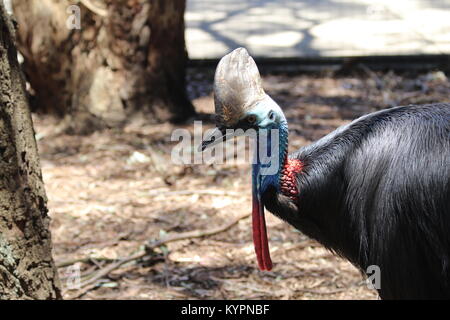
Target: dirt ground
(112, 192)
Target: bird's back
(377, 191)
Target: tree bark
(129, 58)
(27, 270)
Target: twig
(319, 292)
(81, 293)
(322, 293)
(197, 233)
(70, 262)
(90, 283)
(201, 192)
(92, 259)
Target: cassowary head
(241, 103)
(239, 98)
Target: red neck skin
(288, 178)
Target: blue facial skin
(269, 116)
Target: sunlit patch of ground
(111, 192)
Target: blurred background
(109, 81)
(317, 28)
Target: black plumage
(377, 192)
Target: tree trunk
(27, 270)
(128, 58)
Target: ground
(112, 192)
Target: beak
(218, 135)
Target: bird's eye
(251, 119)
(271, 115)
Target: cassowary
(375, 191)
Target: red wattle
(288, 184)
(288, 178)
(260, 236)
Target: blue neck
(262, 182)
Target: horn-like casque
(237, 87)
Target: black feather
(377, 192)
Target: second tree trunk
(128, 58)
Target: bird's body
(376, 191)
